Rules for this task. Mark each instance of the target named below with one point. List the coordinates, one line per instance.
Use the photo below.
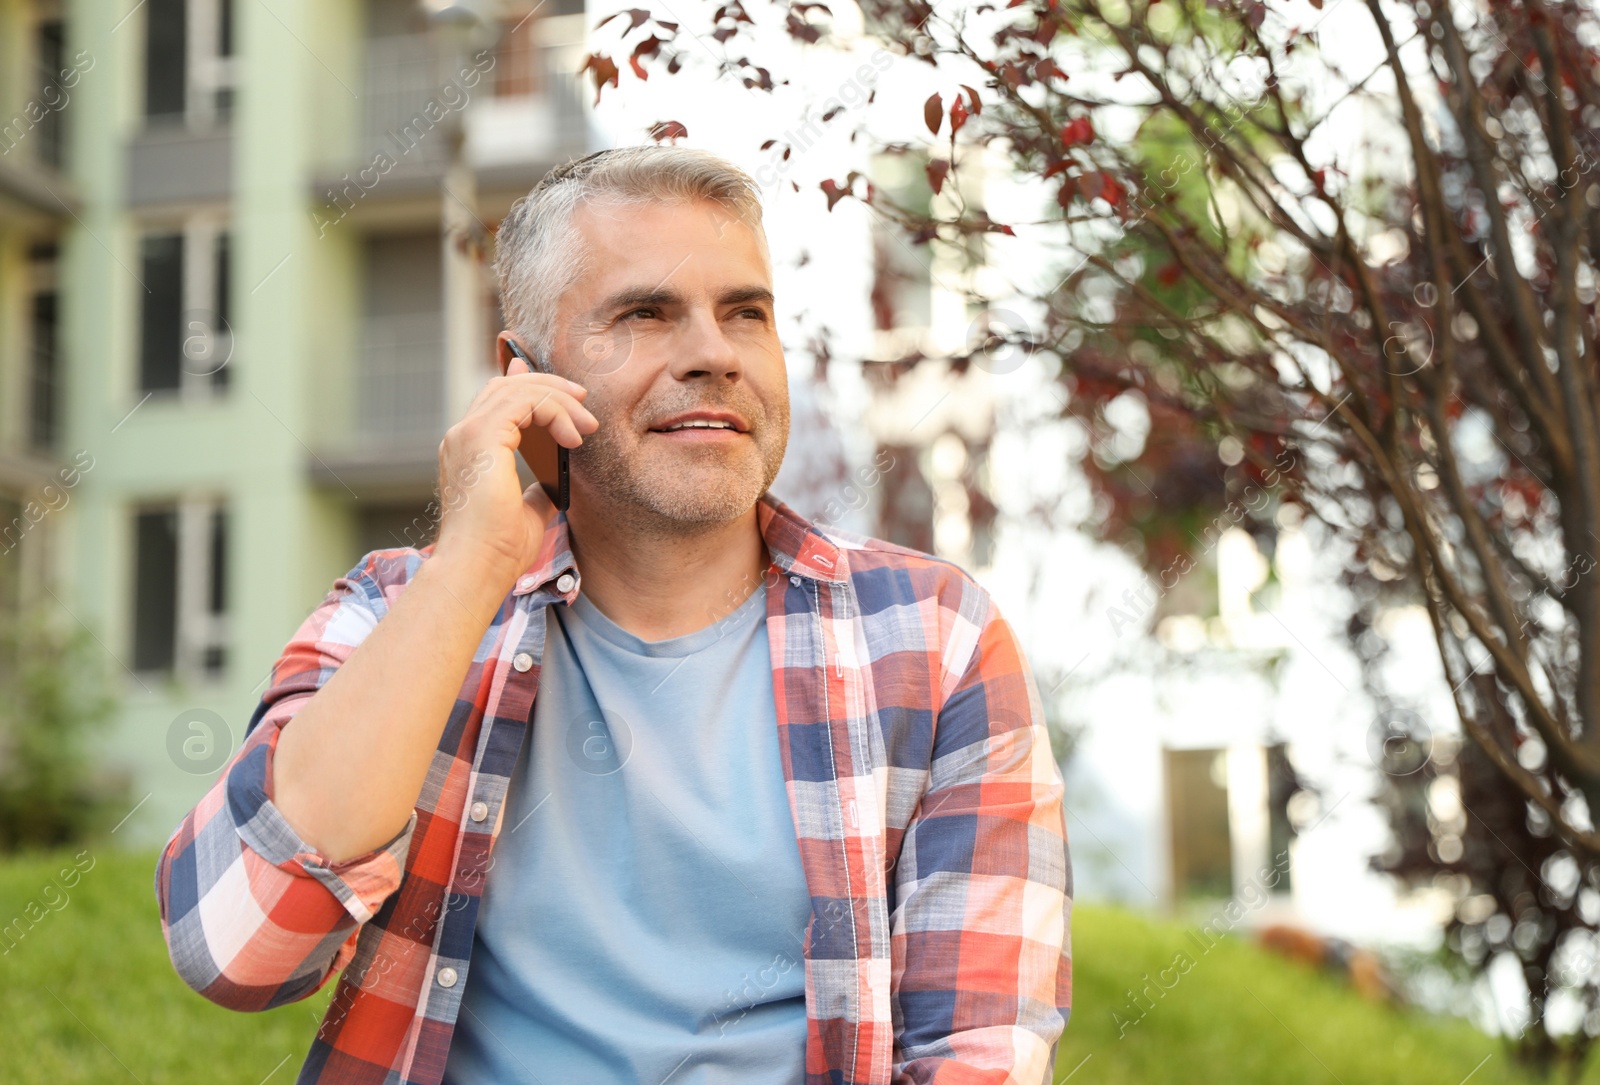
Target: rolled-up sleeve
(981, 929)
(253, 916)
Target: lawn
(89, 996)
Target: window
(1198, 824)
(906, 514)
(10, 558)
(902, 278)
(165, 90)
(44, 377)
(180, 588)
(51, 45)
(1283, 784)
(189, 62)
(185, 338)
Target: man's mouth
(706, 425)
(675, 427)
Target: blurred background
(246, 283)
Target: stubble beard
(681, 490)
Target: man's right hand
(487, 518)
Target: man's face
(674, 317)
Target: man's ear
(502, 351)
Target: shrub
(55, 695)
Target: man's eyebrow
(636, 296)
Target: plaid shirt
(925, 798)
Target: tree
(53, 791)
(1407, 351)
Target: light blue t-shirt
(644, 918)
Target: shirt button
(565, 583)
(522, 661)
(480, 810)
(795, 581)
(525, 583)
(447, 977)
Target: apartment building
(244, 281)
(36, 84)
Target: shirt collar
(796, 546)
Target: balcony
(401, 376)
(514, 109)
(378, 434)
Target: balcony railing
(400, 391)
(525, 106)
(404, 75)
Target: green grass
(1238, 1014)
(90, 997)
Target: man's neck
(658, 583)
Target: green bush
(54, 698)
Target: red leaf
(834, 193)
(933, 113)
(636, 15)
(1046, 69)
(1078, 130)
(1169, 274)
(958, 115)
(668, 130)
(936, 173)
(647, 47)
(974, 103)
(603, 70)
(1056, 167)
(799, 28)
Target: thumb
(540, 504)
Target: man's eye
(759, 314)
(632, 312)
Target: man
(783, 808)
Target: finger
(570, 385)
(515, 367)
(524, 400)
(530, 388)
(555, 411)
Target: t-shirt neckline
(736, 621)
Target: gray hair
(537, 252)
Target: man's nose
(704, 349)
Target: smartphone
(547, 458)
